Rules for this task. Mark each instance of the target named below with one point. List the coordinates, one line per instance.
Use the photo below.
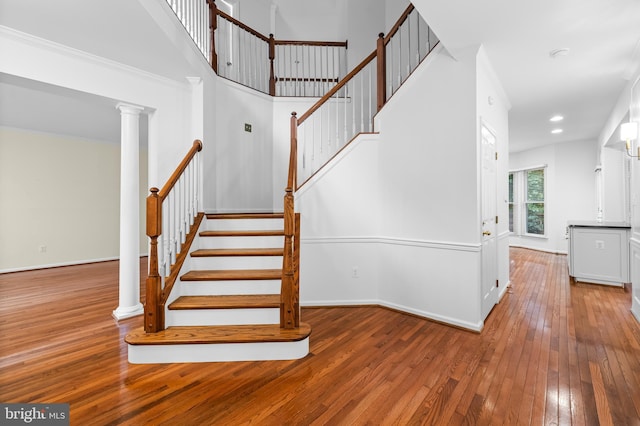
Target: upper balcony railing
(194, 16)
(241, 54)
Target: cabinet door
(600, 255)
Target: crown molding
(8, 33)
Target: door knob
(486, 232)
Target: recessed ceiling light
(556, 131)
(563, 51)
(556, 118)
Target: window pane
(535, 218)
(535, 185)
(510, 217)
(511, 187)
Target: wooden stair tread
(265, 215)
(253, 233)
(232, 274)
(238, 252)
(244, 301)
(219, 334)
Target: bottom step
(218, 344)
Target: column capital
(129, 108)
(194, 80)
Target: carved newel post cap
(381, 35)
(154, 190)
(294, 113)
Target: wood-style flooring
(551, 353)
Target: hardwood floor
(551, 353)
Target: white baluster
(399, 60)
(344, 105)
(353, 107)
(336, 123)
(361, 102)
(408, 45)
(370, 116)
(313, 137)
(175, 223)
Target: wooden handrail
(195, 148)
(337, 87)
(320, 80)
(399, 23)
(243, 26)
(155, 296)
(313, 43)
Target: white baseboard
(61, 264)
(538, 249)
(423, 314)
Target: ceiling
(603, 38)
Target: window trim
(520, 201)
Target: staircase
(225, 305)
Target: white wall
(339, 224)
(570, 189)
(60, 192)
(613, 185)
(395, 219)
(429, 184)
(310, 20)
(243, 160)
(362, 28)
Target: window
(535, 202)
(527, 202)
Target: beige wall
(60, 193)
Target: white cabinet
(599, 252)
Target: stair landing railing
(349, 108)
(172, 218)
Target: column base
(128, 312)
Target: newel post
(382, 71)
(289, 294)
(272, 56)
(213, 26)
(152, 316)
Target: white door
(489, 208)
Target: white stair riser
(221, 316)
(239, 262)
(241, 242)
(243, 224)
(206, 288)
(222, 352)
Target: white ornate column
(129, 299)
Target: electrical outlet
(355, 273)
(247, 127)
(42, 249)
(600, 244)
